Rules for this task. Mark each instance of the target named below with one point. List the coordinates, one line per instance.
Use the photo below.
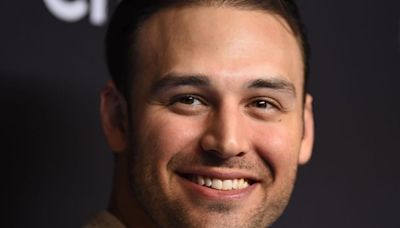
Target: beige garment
(104, 219)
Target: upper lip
(220, 173)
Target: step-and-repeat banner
(58, 168)
(72, 11)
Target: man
(207, 113)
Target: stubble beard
(165, 212)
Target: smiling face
(218, 125)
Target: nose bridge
(225, 133)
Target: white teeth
(217, 184)
(227, 185)
(200, 180)
(221, 184)
(240, 183)
(235, 184)
(208, 182)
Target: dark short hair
(131, 14)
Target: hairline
(295, 28)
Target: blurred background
(57, 167)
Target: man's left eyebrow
(272, 83)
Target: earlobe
(308, 134)
(113, 111)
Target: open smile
(223, 182)
(220, 184)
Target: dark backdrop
(56, 165)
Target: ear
(308, 132)
(113, 111)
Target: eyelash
(267, 102)
(180, 99)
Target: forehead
(225, 43)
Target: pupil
(188, 100)
(261, 104)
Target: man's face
(217, 122)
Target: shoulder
(104, 219)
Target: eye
(262, 104)
(187, 100)
(188, 104)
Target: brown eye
(190, 100)
(263, 104)
(187, 104)
(187, 100)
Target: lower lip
(214, 194)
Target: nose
(225, 135)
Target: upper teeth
(221, 184)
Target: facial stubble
(149, 190)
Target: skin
(218, 92)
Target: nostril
(241, 154)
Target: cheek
(165, 135)
(279, 146)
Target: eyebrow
(176, 80)
(173, 80)
(272, 83)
